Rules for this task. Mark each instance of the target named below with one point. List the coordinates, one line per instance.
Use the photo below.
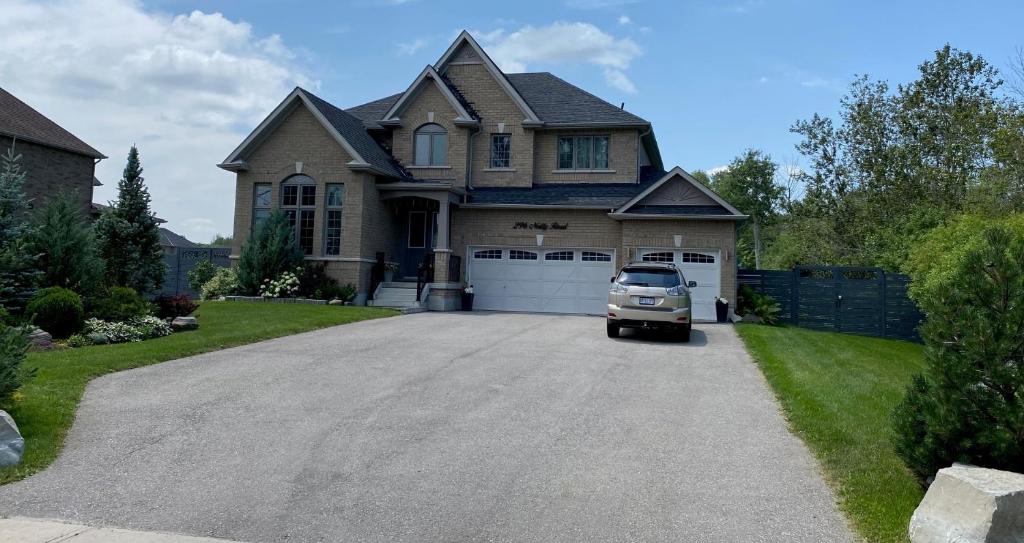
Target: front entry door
(419, 240)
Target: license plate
(644, 300)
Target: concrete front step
(399, 284)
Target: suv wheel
(683, 332)
(613, 329)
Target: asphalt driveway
(453, 427)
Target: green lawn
(44, 408)
(838, 392)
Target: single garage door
(700, 265)
(541, 280)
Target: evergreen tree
(270, 250)
(17, 274)
(64, 240)
(128, 236)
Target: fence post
(885, 301)
(794, 296)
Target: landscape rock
(968, 504)
(180, 324)
(335, 302)
(40, 339)
(11, 442)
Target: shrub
(315, 283)
(200, 274)
(169, 307)
(13, 346)
(63, 239)
(120, 304)
(223, 283)
(79, 340)
(346, 293)
(137, 329)
(285, 285)
(761, 305)
(270, 251)
(967, 407)
(57, 310)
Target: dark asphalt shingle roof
(606, 195)
(354, 131)
(171, 239)
(557, 101)
(19, 120)
(678, 210)
(371, 112)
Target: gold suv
(650, 296)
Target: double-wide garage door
(541, 280)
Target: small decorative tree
(270, 251)
(17, 272)
(969, 404)
(128, 236)
(64, 240)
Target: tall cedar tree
(749, 184)
(18, 275)
(63, 238)
(969, 404)
(128, 236)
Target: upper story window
(298, 201)
(583, 152)
(501, 150)
(430, 146)
(332, 226)
(262, 201)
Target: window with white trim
(488, 254)
(565, 256)
(332, 222)
(501, 150)
(516, 254)
(430, 145)
(698, 258)
(583, 152)
(594, 256)
(298, 201)
(664, 256)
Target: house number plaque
(523, 225)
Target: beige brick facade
(427, 101)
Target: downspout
(638, 140)
(469, 157)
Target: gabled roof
(171, 239)
(558, 102)
(466, 39)
(458, 103)
(635, 206)
(371, 112)
(346, 129)
(18, 120)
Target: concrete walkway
(27, 530)
(442, 427)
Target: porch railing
(454, 268)
(424, 273)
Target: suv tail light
(677, 290)
(619, 288)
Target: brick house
(54, 159)
(523, 185)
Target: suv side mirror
(691, 284)
(613, 279)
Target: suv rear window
(649, 277)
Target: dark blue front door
(418, 240)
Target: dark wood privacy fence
(181, 260)
(864, 301)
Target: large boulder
(184, 323)
(968, 504)
(40, 339)
(11, 442)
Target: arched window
(298, 201)
(430, 146)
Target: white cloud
(717, 170)
(625, 20)
(563, 43)
(185, 88)
(409, 48)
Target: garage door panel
(701, 265)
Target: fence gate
(853, 300)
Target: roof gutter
(622, 216)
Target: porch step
(399, 284)
(396, 294)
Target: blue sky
(714, 77)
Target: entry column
(442, 251)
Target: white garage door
(541, 280)
(700, 265)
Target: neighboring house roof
(558, 102)
(348, 130)
(170, 239)
(18, 120)
(96, 209)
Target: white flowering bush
(285, 286)
(136, 329)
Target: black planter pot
(467, 302)
(722, 310)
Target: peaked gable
(466, 50)
(679, 193)
(428, 76)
